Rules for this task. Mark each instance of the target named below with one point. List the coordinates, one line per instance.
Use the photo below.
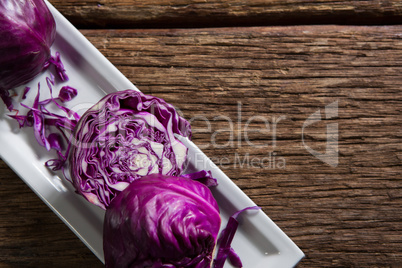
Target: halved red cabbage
(27, 30)
(225, 250)
(125, 136)
(161, 221)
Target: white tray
(259, 242)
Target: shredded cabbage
(51, 130)
(225, 251)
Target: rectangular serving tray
(259, 241)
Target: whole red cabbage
(161, 221)
(125, 136)
(27, 30)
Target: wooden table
(266, 72)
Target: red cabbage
(152, 220)
(67, 93)
(59, 66)
(203, 176)
(45, 123)
(125, 136)
(225, 251)
(27, 30)
(26, 90)
(161, 221)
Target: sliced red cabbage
(67, 93)
(59, 66)
(225, 251)
(123, 137)
(51, 130)
(26, 90)
(203, 176)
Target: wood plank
(206, 13)
(290, 72)
(31, 235)
(342, 216)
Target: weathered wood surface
(202, 13)
(31, 235)
(343, 216)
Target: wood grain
(207, 13)
(31, 235)
(343, 216)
